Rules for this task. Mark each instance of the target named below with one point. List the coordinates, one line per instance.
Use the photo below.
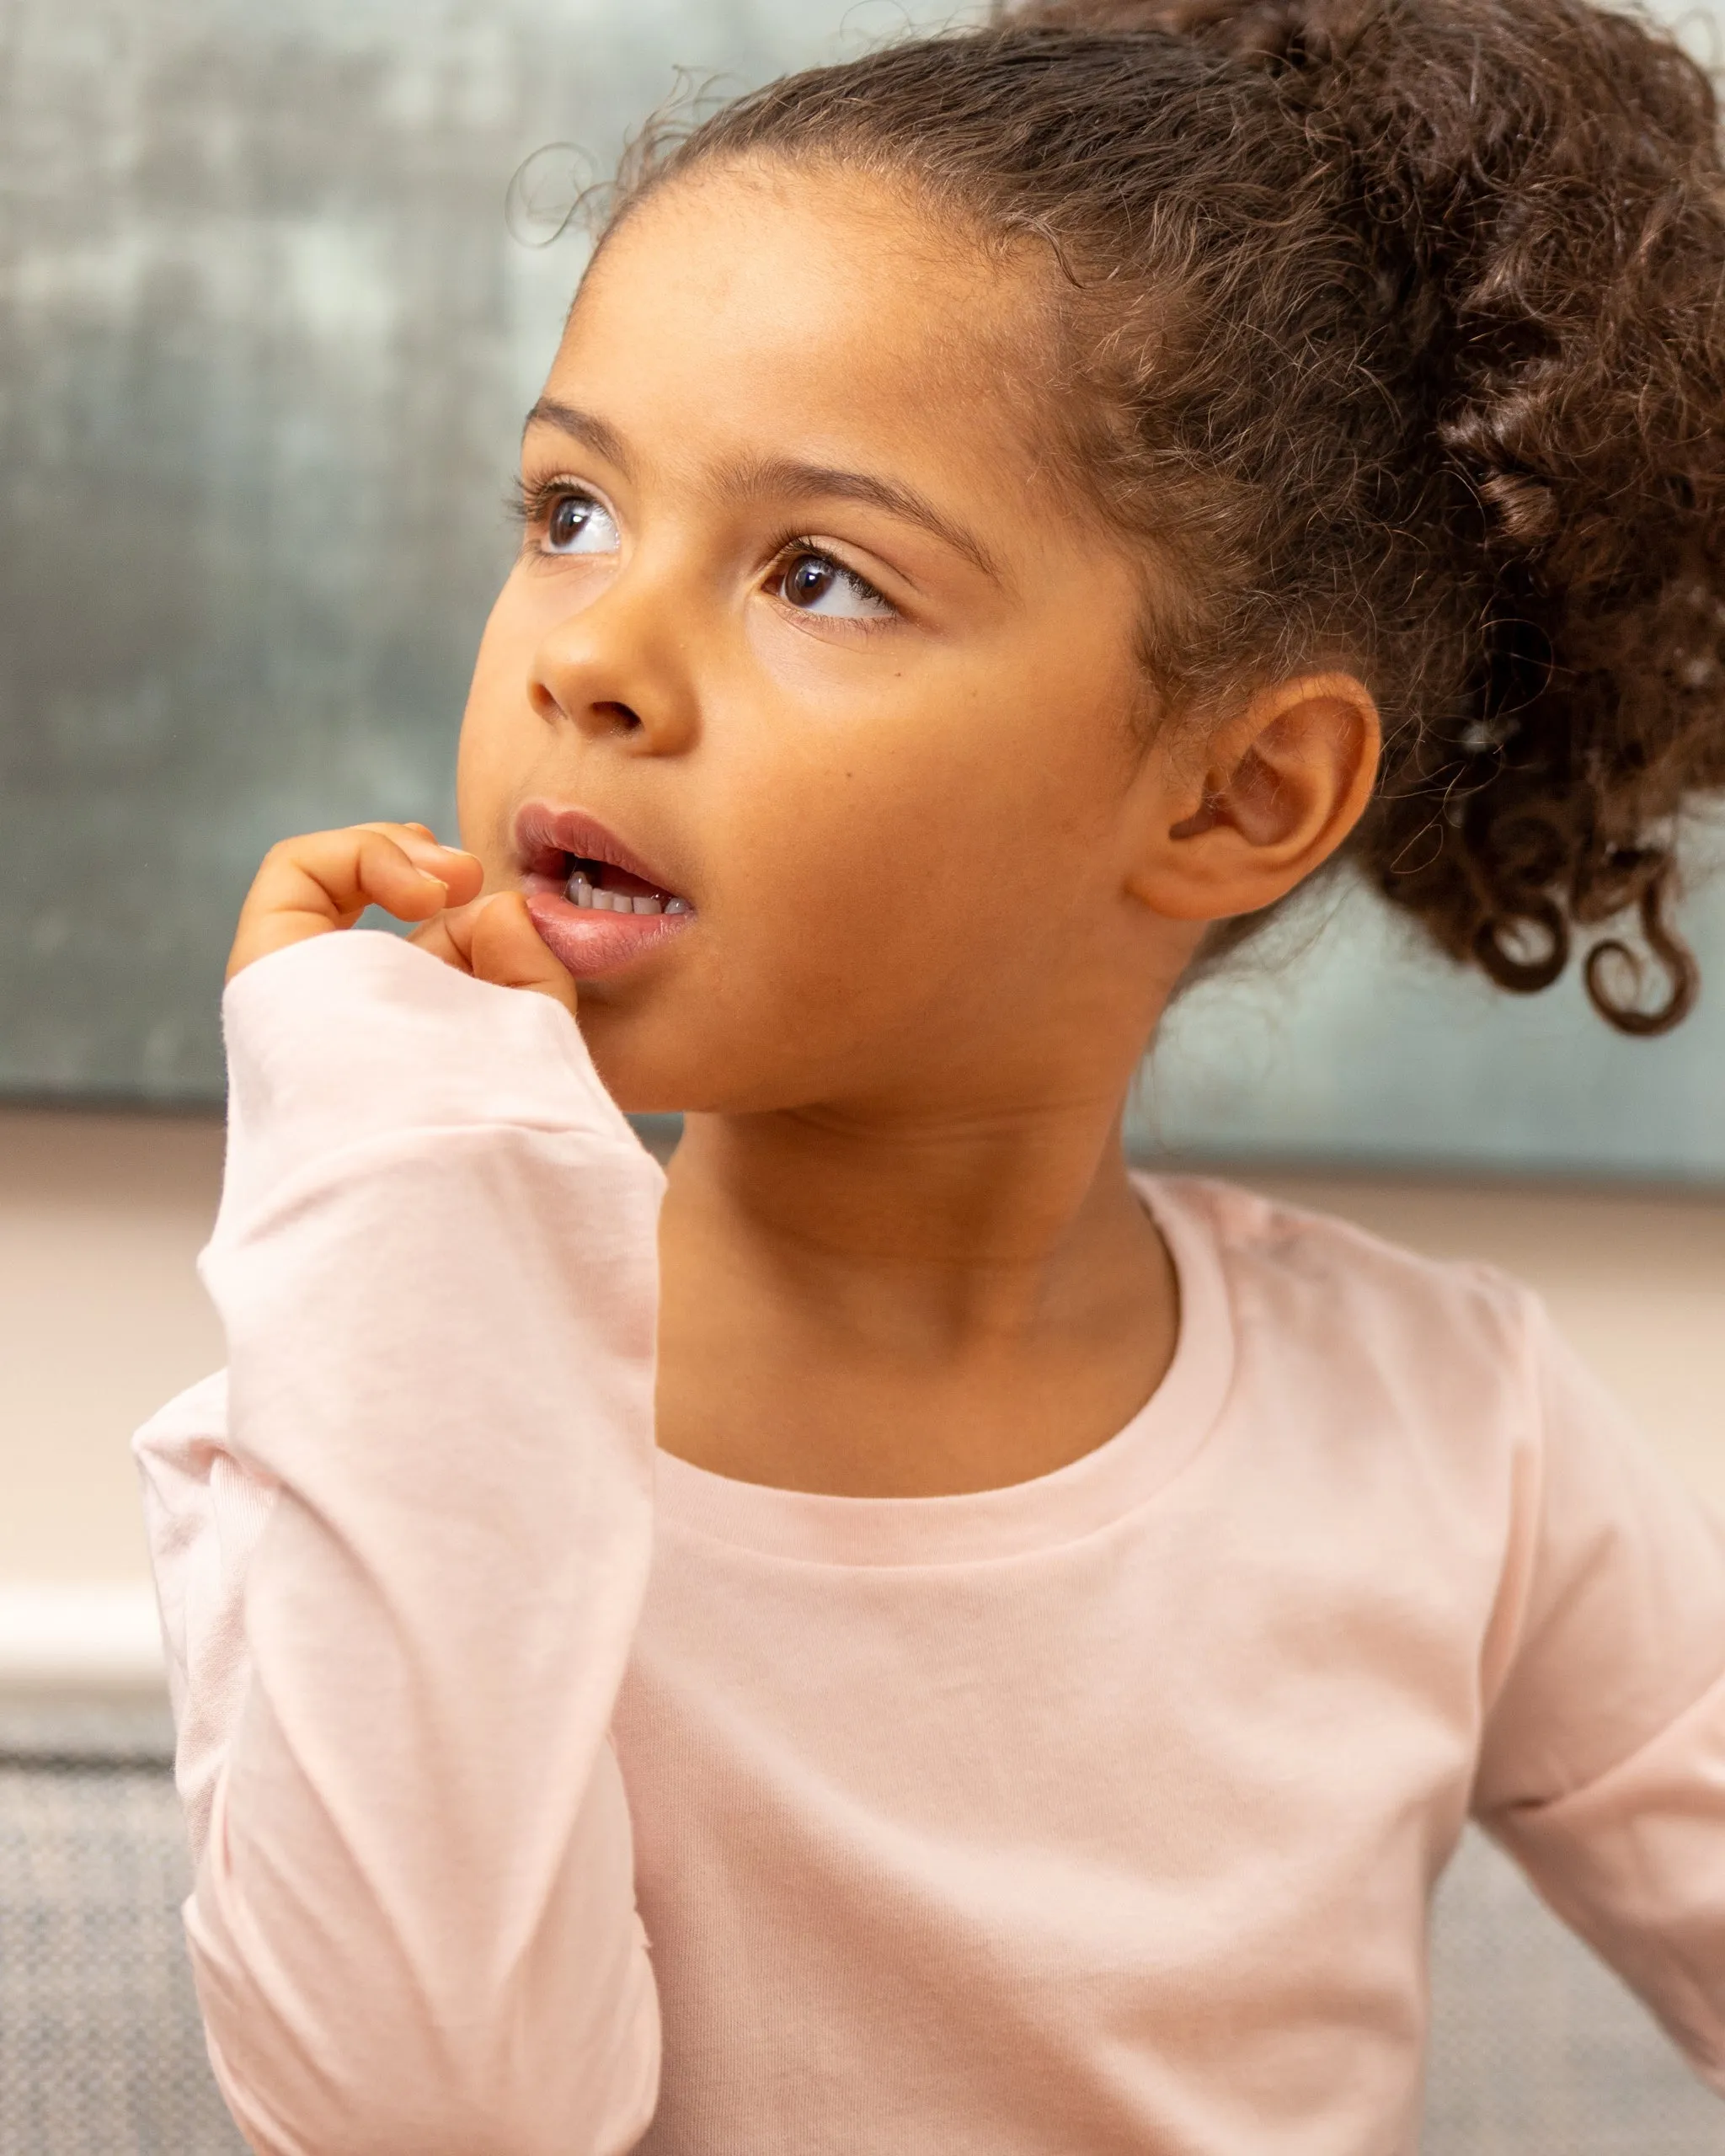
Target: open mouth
(610, 890)
(594, 901)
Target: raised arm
(413, 1927)
(1603, 1770)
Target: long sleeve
(203, 1516)
(400, 1571)
(1603, 1769)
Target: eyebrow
(585, 427)
(780, 475)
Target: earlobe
(1278, 792)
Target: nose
(613, 668)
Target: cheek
(499, 731)
(899, 850)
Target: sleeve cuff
(357, 1037)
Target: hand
(494, 939)
(325, 880)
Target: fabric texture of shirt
(552, 1796)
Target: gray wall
(1343, 1040)
(265, 341)
(265, 345)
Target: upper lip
(540, 831)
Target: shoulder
(1271, 1252)
(1362, 1344)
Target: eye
(576, 524)
(815, 583)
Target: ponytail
(1539, 185)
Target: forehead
(814, 309)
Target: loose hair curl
(1393, 333)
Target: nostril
(606, 715)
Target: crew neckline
(1112, 1479)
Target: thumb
(506, 947)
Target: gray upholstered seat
(101, 2052)
(1536, 2050)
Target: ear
(1269, 799)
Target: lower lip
(586, 942)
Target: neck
(968, 1224)
(899, 1305)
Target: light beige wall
(101, 1320)
(101, 1317)
(1637, 1283)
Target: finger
(504, 946)
(324, 880)
(435, 937)
(462, 871)
(333, 876)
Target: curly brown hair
(1391, 331)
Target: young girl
(902, 1635)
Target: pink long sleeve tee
(552, 1797)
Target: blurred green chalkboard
(266, 338)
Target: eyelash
(796, 545)
(530, 504)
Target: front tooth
(646, 905)
(602, 898)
